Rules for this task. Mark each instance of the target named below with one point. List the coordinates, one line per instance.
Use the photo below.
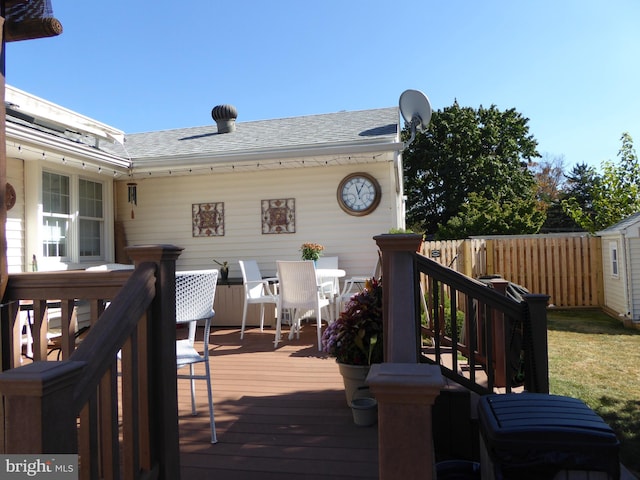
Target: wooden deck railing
(482, 333)
(405, 386)
(118, 411)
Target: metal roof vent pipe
(225, 117)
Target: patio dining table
(333, 276)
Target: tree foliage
(599, 201)
(489, 216)
(552, 184)
(466, 151)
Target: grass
(594, 358)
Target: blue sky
(571, 66)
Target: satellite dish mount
(416, 111)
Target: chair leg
(193, 390)
(319, 325)
(244, 319)
(212, 420)
(262, 317)
(278, 329)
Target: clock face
(359, 194)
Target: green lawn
(594, 358)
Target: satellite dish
(416, 111)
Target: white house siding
(163, 216)
(614, 286)
(15, 226)
(634, 278)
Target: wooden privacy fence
(568, 268)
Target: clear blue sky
(571, 66)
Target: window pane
(91, 221)
(55, 237)
(55, 193)
(90, 238)
(90, 201)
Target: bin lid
(537, 419)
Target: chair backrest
(195, 291)
(327, 262)
(298, 285)
(250, 274)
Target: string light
(211, 169)
(63, 159)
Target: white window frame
(614, 259)
(34, 218)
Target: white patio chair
(256, 291)
(354, 285)
(299, 292)
(331, 286)
(195, 291)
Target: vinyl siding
(163, 216)
(634, 256)
(614, 286)
(15, 226)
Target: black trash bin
(458, 470)
(534, 436)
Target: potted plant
(311, 251)
(355, 338)
(224, 269)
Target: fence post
(163, 407)
(467, 258)
(30, 394)
(490, 256)
(537, 366)
(400, 326)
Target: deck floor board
(280, 414)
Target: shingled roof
(346, 129)
(341, 137)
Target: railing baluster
(453, 306)
(472, 323)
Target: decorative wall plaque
(279, 216)
(208, 219)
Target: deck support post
(163, 413)
(401, 328)
(37, 417)
(405, 393)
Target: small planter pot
(365, 411)
(354, 377)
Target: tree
(488, 216)
(464, 151)
(601, 201)
(551, 190)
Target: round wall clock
(359, 194)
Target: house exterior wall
(634, 277)
(24, 220)
(15, 225)
(615, 295)
(163, 216)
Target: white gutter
(21, 134)
(40, 108)
(199, 159)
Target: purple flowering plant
(355, 338)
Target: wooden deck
(280, 414)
